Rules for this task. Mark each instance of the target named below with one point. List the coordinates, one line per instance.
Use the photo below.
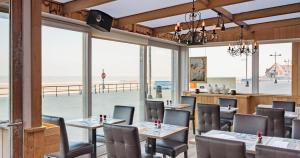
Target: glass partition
(160, 70)
(225, 70)
(275, 68)
(115, 76)
(62, 79)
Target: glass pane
(225, 70)
(275, 68)
(62, 75)
(4, 84)
(121, 64)
(160, 74)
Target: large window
(4, 66)
(225, 70)
(121, 84)
(160, 81)
(62, 58)
(275, 68)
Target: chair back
(125, 113)
(275, 120)
(225, 102)
(296, 129)
(122, 141)
(263, 151)
(286, 105)
(250, 124)
(208, 117)
(191, 101)
(155, 110)
(178, 118)
(64, 142)
(208, 147)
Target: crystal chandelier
(241, 46)
(197, 34)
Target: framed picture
(198, 69)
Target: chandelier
(241, 46)
(197, 33)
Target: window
(62, 67)
(223, 69)
(121, 86)
(160, 81)
(4, 66)
(275, 68)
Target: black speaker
(99, 20)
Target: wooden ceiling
(78, 9)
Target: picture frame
(198, 69)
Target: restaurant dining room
(149, 78)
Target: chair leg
(193, 126)
(185, 154)
(164, 156)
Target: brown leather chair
(178, 143)
(192, 102)
(275, 121)
(208, 147)
(208, 117)
(263, 151)
(155, 110)
(120, 112)
(250, 124)
(67, 150)
(122, 141)
(287, 106)
(296, 129)
(227, 118)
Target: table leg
(150, 148)
(94, 142)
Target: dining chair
(296, 129)
(208, 117)
(120, 112)
(208, 147)
(122, 141)
(177, 143)
(264, 151)
(227, 118)
(155, 110)
(250, 124)
(275, 121)
(192, 102)
(67, 149)
(287, 106)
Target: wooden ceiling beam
(224, 12)
(77, 5)
(286, 9)
(174, 10)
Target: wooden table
(178, 106)
(251, 140)
(226, 110)
(92, 124)
(287, 114)
(152, 133)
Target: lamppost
(287, 61)
(275, 55)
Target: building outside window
(275, 68)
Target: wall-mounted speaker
(100, 20)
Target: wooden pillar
(296, 69)
(16, 76)
(31, 32)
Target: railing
(71, 89)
